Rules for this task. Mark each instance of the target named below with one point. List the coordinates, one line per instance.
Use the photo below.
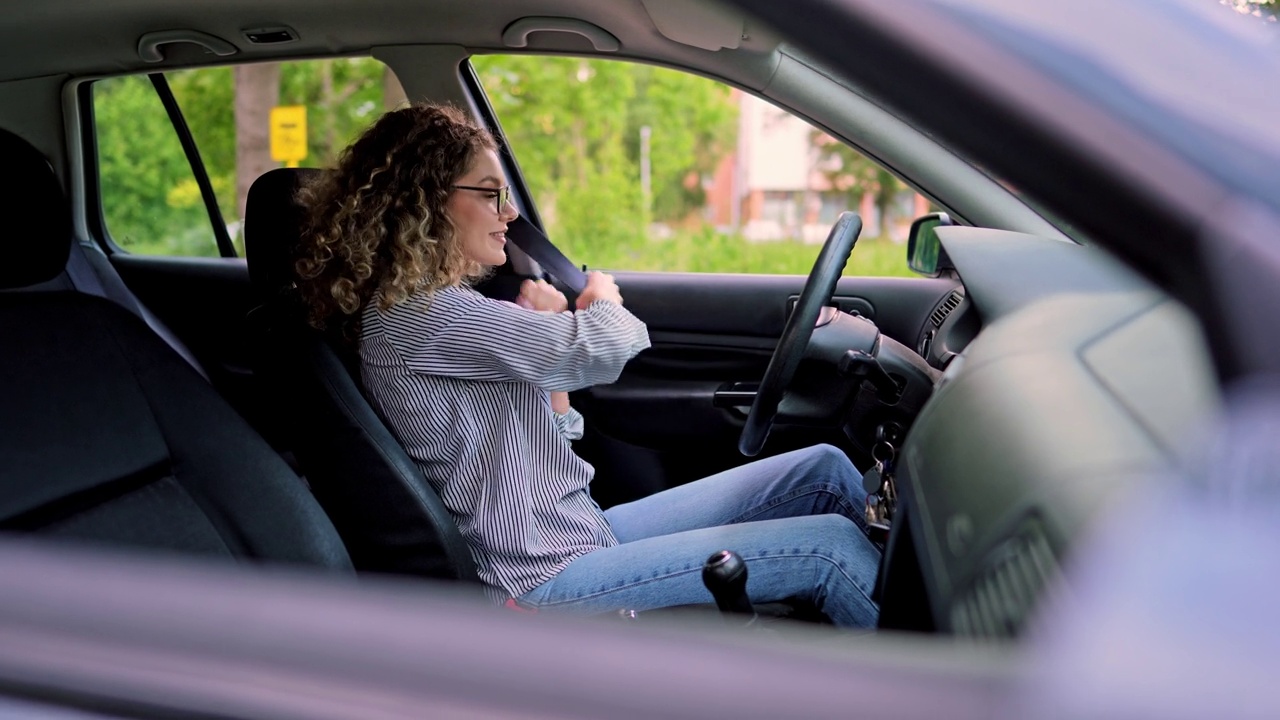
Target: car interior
(1019, 385)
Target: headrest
(37, 219)
(272, 226)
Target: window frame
(95, 209)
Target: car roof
(66, 36)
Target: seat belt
(534, 243)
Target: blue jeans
(796, 519)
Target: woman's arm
(463, 334)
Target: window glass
(149, 198)
(635, 167)
(245, 120)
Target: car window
(635, 167)
(244, 120)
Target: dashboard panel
(1082, 382)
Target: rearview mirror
(924, 251)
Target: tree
(576, 126)
(141, 165)
(151, 200)
(693, 123)
(851, 172)
(1267, 9)
(257, 91)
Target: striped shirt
(463, 380)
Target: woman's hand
(542, 296)
(560, 402)
(599, 287)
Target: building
(776, 185)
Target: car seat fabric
(108, 436)
(91, 272)
(32, 201)
(387, 513)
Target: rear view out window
(244, 120)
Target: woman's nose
(509, 210)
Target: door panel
(658, 427)
(757, 305)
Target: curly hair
(375, 225)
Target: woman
(476, 390)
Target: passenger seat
(90, 272)
(107, 436)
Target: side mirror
(924, 251)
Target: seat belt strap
(534, 243)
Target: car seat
(389, 516)
(108, 436)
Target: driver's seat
(390, 518)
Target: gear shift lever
(725, 575)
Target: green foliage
(575, 125)
(207, 99)
(852, 173)
(706, 250)
(141, 164)
(694, 125)
(150, 198)
(343, 97)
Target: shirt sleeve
(571, 424)
(465, 335)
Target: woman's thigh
(811, 481)
(825, 559)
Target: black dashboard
(1067, 379)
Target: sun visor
(709, 26)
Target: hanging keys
(871, 480)
(882, 497)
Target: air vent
(951, 303)
(999, 600)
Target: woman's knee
(830, 461)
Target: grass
(193, 242)
(708, 251)
(696, 251)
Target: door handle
(735, 395)
(844, 303)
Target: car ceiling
(77, 38)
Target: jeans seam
(622, 586)
(774, 502)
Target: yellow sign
(289, 133)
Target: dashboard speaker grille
(1001, 597)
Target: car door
(709, 207)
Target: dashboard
(1068, 381)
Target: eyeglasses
(500, 195)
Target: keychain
(882, 496)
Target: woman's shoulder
(427, 310)
(427, 301)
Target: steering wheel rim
(818, 290)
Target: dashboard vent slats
(940, 314)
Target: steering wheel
(818, 290)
